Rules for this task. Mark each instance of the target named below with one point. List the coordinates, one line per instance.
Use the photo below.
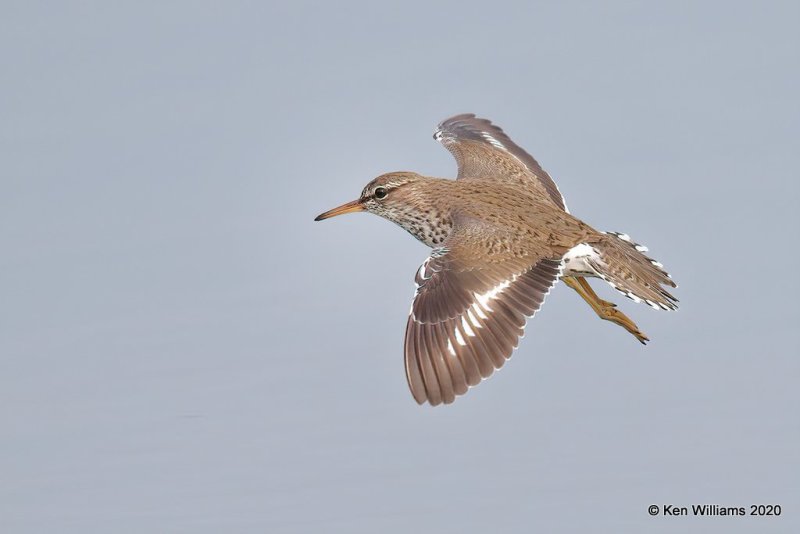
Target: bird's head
(385, 195)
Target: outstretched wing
(468, 314)
(484, 152)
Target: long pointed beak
(350, 207)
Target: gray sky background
(182, 349)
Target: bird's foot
(603, 308)
(609, 312)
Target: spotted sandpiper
(501, 236)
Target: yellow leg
(604, 309)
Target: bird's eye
(380, 192)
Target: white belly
(576, 261)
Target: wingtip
(457, 117)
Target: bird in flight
(502, 236)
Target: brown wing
(468, 314)
(484, 152)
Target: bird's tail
(622, 263)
